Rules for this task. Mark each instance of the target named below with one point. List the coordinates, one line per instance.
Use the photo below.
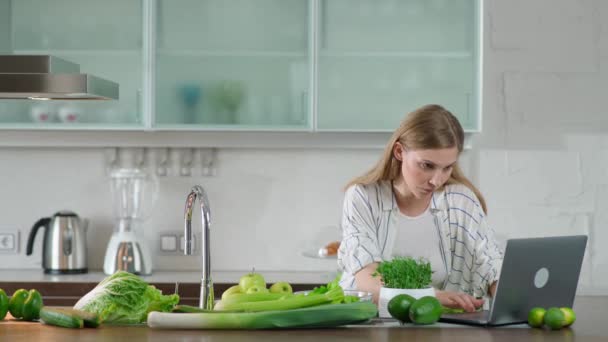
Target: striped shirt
(467, 242)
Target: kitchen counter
(67, 289)
(589, 326)
(95, 276)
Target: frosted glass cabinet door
(227, 64)
(103, 37)
(380, 59)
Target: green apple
(251, 279)
(257, 289)
(232, 290)
(281, 287)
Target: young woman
(417, 202)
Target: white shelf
(194, 139)
(397, 54)
(138, 138)
(86, 52)
(99, 126)
(236, 127)
(230, 53)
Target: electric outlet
(172, 243)
(168, 243)
(9, 242)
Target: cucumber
(90, 319)
(71, 316)
(55, 316)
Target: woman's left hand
(458, 300)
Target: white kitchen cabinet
(291, 66)
(232, 64)
(103, 37)
(378, 60)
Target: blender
(134, 192)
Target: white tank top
(417, 237)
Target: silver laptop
(540, 272)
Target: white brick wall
(543, 152)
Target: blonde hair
(428, 127)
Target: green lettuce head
(124, 298)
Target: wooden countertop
(589, 326)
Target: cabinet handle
(303, 107)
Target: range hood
(50, 78)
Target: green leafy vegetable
(350, 299)
(330, 286)
(405, 273)
(124, 298)
(324, 288)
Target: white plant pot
(386, 294)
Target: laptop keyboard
(477, 316)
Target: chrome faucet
(206, 300)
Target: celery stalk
(334, 295)
(249, 297)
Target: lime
(555, 318)
(536, 317)
(399, 307)
(570, 316)
(426, 310)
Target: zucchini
(71, 317)
(57, 317)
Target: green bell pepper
(25, 305)
(3, 304)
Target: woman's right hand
(458, 300)
(365, 281)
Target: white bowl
(43, 113)
(69, 114)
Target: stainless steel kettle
(64, 244)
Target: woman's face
(424, 171)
